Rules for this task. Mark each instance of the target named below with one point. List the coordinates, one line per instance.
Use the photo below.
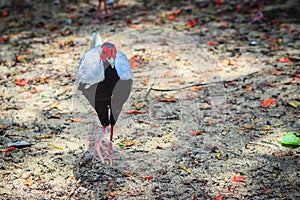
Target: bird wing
(91, 69)
(122, 66)
(96, 41)
(120, 94)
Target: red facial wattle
(108, 53)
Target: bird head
(108, 53)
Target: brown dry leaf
(145, 81)
(77, 119)
(54, 106)
(129, 144)
(28, 182)
(167, 99)
(170, 55)
(113, 194)
(277, 73)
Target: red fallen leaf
(172, 18)
(195, 133)
(4, 13)
(296, 75)
(135, 65)
(9, 149)
(131, 194)
(249, 89)
(231, 83)
(176, 12)
(33, 90)
(169, 99)
(21, 82)
(147, 178)
(238, 179)
(135, 26)
(196, 89)
(268, 102)
(284, 59)
(219, 197)
(219, 2)
(130, 112)
(192, 23)
(211, 42)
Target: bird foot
(258, 17)
(110, 155)
(98, 150)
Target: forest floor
(231, 94)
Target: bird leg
(98, 145)
(110, 156)
(259, 14)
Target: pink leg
(110, 156)
(98, 145)
(259, 15)
(107, 12)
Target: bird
(105, 78)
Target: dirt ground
(201, 128)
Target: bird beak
(111, 61)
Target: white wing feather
(122, 66)
(91, 69)
(96, 39)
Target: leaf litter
(40, 57)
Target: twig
(196, 84)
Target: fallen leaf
(296, 75)
(284, 59)
(196, 89)
(33, 90)
(219, 197)
(130, 112)
(129, 144)
(211, 42)
(293, 104)
(219, 2)
(44, 136)
(268, 102)
(172, 18)
(238, 179)
(11, 148)
(168, 99)
(249, 89)
(113, 194)
(77, 119)
(195, 133)
(28, 182)
(132, 194)
(147, 178)
(176, 12)
(21, 82)
(277, 73)
(55, 146)
(54, 106)
(191, 23)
